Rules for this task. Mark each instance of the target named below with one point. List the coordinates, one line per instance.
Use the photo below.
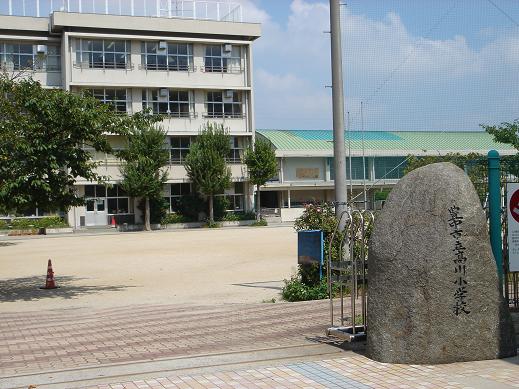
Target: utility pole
(339, 152)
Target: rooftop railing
(224, 11)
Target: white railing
(224, 11)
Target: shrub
(172, 218)
(318, 216)
(296, 290)
(260, 223)
(235, 217)
(44, 222)
(211, 224)
(3, 225)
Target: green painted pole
(494, 205)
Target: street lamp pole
(339, 151)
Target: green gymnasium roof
(384, 143)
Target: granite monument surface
(433, 293)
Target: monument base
(346, 333)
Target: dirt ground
(241, 265)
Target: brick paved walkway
(64, 339)
(60, 340)
(355, 372)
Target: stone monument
(433, 293)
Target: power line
(409, 55)
(507, 15)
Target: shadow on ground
(261, 285)
(5, 244)
(28, 288)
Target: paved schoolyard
(231, 265)
(183, 309)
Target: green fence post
(494, 205)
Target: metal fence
(477, 170)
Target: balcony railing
(103, 65)
(168, 68)
(223, 11)
(221, 115)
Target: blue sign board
(310, 248)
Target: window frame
(147, 54)
(115, 103)
(85, 57)
(218, 106)
(216, 61)
(37, 62)
(182, 149)
(148, 101)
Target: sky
(443, 65)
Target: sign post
(513, 225)
(310, 248)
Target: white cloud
(421, 83)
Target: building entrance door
(96, 214)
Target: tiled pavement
(65, 339)
(355, 372)
(77, 339)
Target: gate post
(494, 205)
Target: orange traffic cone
(50, 283)
(113, 222)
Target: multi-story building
(378, 160)
(190, 61)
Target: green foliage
(318, 217)
(144, 159)
(212, 224)
(475, 165)
(221, 205)
(261, 162)
(262, 166)
(260, 223)
(205, 164)
(191, 206)
(505, 133)
(382, 195)
(235, 217)
(29, 223)
(296, 290)
(172, 218)
(44, 136)
(158, 209)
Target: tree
(205, 164)
(262, 165)
(142, 169)
(44, 137)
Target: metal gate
(347, 275)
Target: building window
(176, 103)
(167, 56)
(112, 199)
(224, 104)
(223, 59)
(103, 54)
(174, 195)
(25, 56)
(118, 200)
(389, 168)
(236, 199)
(117, 98)
(179, 148)
(236, 152)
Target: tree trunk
(147, 224)
(211, 209)
(258, 206)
